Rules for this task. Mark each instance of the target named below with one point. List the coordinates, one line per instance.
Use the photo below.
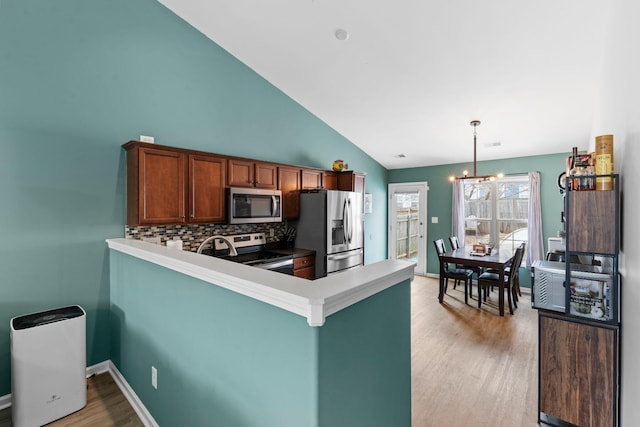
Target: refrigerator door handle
(344, 256)
(345, 221)
(350, 229)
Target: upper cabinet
(155, 185)
(311, 178)
(330, 180)
(172, 186)
(289, 183)
(207, 188)
(249, 173)
(351, 181)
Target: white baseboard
(125, 388)
(5, 401)
(132, 397)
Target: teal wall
(365, 362)
(80, 78)
(226, 359)
(439, 198)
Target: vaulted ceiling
(411, 75)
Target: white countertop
(313, 299)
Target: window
(497, 212)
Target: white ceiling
(413, 74)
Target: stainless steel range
(252, 250)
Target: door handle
(345, 221)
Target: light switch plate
(434, 220)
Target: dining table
(465, 256)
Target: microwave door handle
(274, 205)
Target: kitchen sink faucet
(232, 249)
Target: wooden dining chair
(455, 244)
(455, 274)
(489, 279)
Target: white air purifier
(48, 365)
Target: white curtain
(536, 242)
(457, 209)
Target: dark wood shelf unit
(579, 354)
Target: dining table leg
(441, 283)
(501, 289)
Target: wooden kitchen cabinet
(168, 185)
(289, 182)
(351, 181)
(311, 179)
(155, 185)
(579, 371)
(207, 188)
(305, 267)
(248, 173)
(330, 180)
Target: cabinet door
(305, 267)
(266, 175)
(240, 173)
(330, 180)
(311, 179)
(161, 191)
(578, 377)
(351, 181)
(289, 184)
(206, 189)
(592, 221)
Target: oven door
(282, 266)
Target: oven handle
(277, 264)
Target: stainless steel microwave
(254, 205)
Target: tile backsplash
(194, 234)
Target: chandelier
(465, 173)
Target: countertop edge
(314, 300)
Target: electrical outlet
(272, 232)
(434, 220)
(149, 139)
(154, 377)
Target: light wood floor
(106, 406)
(471, 367)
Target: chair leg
(466, 293)
(509, 292)
(515, 297)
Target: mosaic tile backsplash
(194, 234)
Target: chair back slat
(454, 242)
(440, 247)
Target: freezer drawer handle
(344, 256)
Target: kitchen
(63, 167)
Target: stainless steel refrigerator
(332, 223)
